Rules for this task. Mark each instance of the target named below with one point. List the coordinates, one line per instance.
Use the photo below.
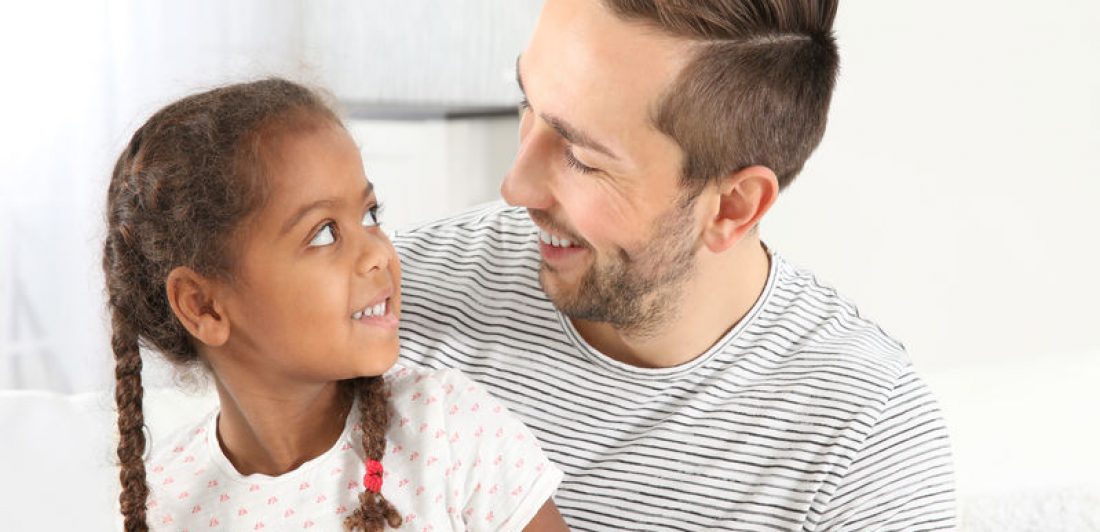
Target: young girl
(243, 238)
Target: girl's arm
(547, 519)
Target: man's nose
(529, 182)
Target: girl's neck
(273, 432)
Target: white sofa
(1026, 441)
(57, 455)
(1026, 438)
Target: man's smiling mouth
(554, 240)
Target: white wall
(424, 170)
(954, 194)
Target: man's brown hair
(757, 91)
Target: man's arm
(902, 477)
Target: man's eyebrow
(325, 202)
(567, 132)
(576, 136)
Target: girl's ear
(193, 301)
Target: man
(683, 375)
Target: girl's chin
(378, 364)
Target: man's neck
(716, 299)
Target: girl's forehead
(313, 157)
(314, 165)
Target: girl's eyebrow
(325, 202)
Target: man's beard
(635, 295)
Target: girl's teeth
(370, 312)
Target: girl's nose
(376, 252)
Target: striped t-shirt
(804, 416)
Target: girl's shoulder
(449, 431)
(445, 400)
(185, 439)
(179, 456)
(428, 387)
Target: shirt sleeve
(901, 478)
(500, 473)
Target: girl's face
(316, 296)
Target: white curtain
(78, 78)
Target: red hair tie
(373, 479)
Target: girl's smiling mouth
(371, 311)
(378, 313)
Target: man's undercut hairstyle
(757, 91)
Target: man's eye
(373, 217)
(572, 161)
(324, 236)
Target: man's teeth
(370, 312)
(552, 240)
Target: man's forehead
(584, 45)
(598, 72)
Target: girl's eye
(373, 216)
(573, 163)
(324, 236)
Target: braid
(131, 422)
(121, 270)
(374, 511)
(128, 388)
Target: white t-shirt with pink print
(455, 460)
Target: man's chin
(567, 298)
(559, 291)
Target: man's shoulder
(488, 236)
(482, 253)
(487, 218)
(824, 324)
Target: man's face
(618, 234)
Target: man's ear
(193, 301)
(741, 200)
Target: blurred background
(953, 198)
(428, 91)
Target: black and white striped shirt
(805, 416)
